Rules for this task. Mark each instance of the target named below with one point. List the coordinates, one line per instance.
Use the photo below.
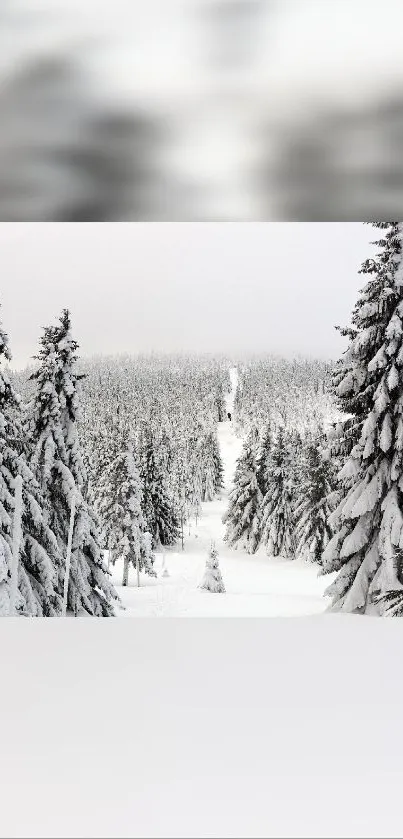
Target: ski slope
(256, 586)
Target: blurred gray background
(200, 110)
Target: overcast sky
(277, 287)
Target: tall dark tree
(242, 519)
(38, 548)
(353, 384)
(263, 457)
(368, 523)
(121, 512)
(212, 468)
(58, 466)
(158, 508)
(277, 521)
(312, 528)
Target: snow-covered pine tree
(39, 553)
(122, 515)
(220, 402)
(368, 522)
(277, 521)
(195, 472)
(58, 466)
(213, 469)
(158, 508)
(183, 487)
(197, 488)
(212, 580)
(164, 569)
(353, 399)
(295, 446)
(243, 517)
(103, 440)
(218, 463)
(312, 528)
(263, 457)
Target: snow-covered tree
(183, 488)
(295, 448)
(243, 517)
(159, 512)
(368, 522)
(39, 552)
(104, 438)
(164, 569)
(263, 457)
(312, 529)
(277, 521)
(58, 466)
(220, 402)
(351, 370)
(212, 580)
(213, 469)
(188, 479)
(291, 392)
(122, 515)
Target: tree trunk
(126, 563)
(109, 551)
(138, 572)
(68, 555)
(16, 543)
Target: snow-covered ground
(256, 586)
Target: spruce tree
(295, 447)
(213, 469)
(58, 466)
(220, 403)
(243, 517)
(158, 508)
(312, 529)
(212, 580)
(164, 569)
(195, 453)
(263, 457)
(368, 522)
(277, 522)
(353, 384)
(121, 512)
(39, 552)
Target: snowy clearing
(256, 586)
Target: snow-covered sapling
(164, 570)
(212, 580)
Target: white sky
(278, 287)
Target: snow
(256, 585)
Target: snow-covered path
(256, 586)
